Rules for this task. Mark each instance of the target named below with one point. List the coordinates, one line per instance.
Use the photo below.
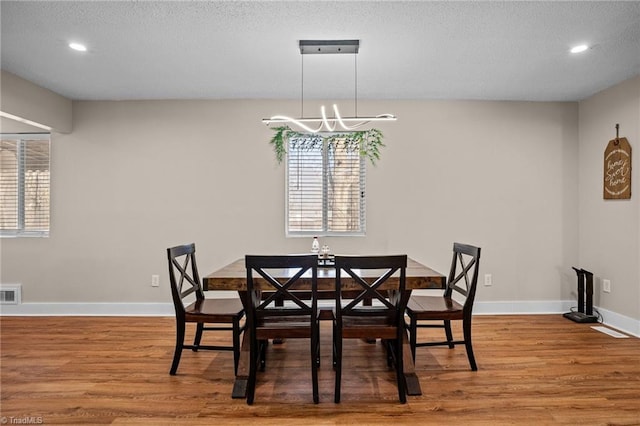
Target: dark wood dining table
(233, 277)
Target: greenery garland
(367, 142)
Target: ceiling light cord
(355, 68)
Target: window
(24, 185)
(325, 187)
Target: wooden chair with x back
(383, 319)
(185, 285)
(281, 313)
(463, 279)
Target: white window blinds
(325, 188)
(24, 185)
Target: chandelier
(326, 123)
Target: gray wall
(136, 177)
(521, 179)
(610, 229)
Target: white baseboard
(521, 307)
(620, 322)
(89, 309)
(612, 319)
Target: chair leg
(263, 354)
(318, 353)
(334, 346)
(388, 345)
(402, 388)
(314, 365)
(338, 364)
(447, 330)
(253, 370)
(198, 338)
(466, 326)
(180, 326)
(317, 349)
(413, 336)
(236, 345)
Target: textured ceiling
(408, 50)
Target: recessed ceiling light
(79, 47)
(579, 48)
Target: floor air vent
(10, 294)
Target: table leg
(242, 377)
(410, 376)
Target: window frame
(325, 232)
(22, 140)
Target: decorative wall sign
(617, 169)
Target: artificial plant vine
(367, 142)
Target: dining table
(233, 277)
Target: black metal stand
(584, 314)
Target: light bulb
(579, 48)
(79, 47)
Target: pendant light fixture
(324, 123)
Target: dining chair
(382, 319)
(185, 285)
(463, 280)
(282, 313)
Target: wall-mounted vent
(10, 294)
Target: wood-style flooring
(533, 370)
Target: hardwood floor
(532, 370)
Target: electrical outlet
(606, 286)
(155, 280)
(488, 280)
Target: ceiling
(249, 50)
